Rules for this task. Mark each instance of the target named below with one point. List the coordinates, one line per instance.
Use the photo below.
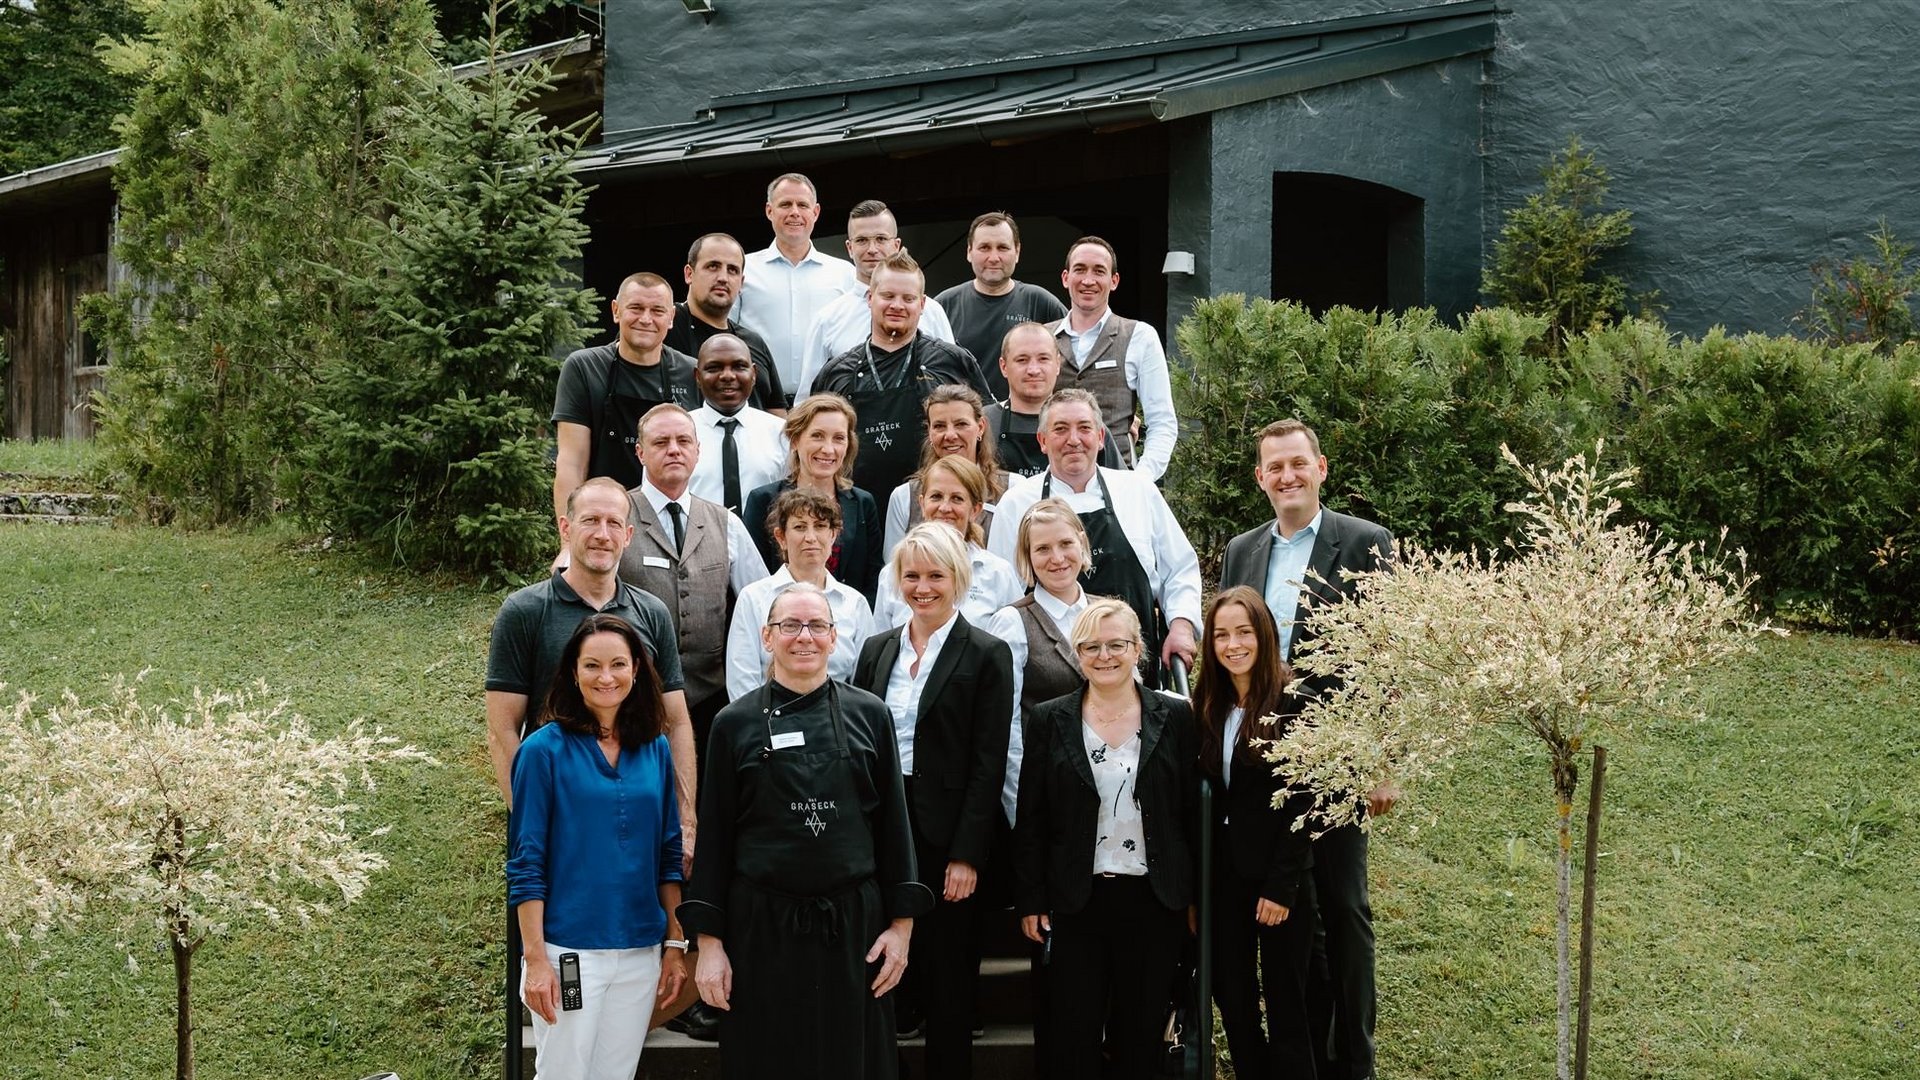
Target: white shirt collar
(1056, 608)
(771, 253)
(783, 580)
(1091, 330)
(658, 500)
(1312, 528)
(935, 639)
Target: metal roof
(1013, 100)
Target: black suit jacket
(960, 733)
(1345, 545)
(1260, 842)
(1059, 810)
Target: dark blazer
(1345, 545)
(860, 547)
(1261, 842)
(960, 733)
(1059, 809)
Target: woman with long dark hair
(1263, 911)
(593, 866)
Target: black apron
(1117, 572)
(631, 391)
(891, 425)
(804, 909)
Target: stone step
(1004, 1052)
(54, 519)
(57, 504)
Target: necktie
(679, 530)
(730, 464)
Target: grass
(72, 460)
(1756, 916)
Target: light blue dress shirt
(1286, 571)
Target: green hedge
(1810, 455)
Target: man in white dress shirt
(1140, 553)
(1118, 359)
(741, 447)
(873, 237)
(691, 553)
(790, 280)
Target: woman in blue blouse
(593, 868)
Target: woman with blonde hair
(949, 688)
(956, 422)
(951, 493)
(821, 450)
(1103, 850)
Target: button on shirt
(1286, 571)
(762, 442)
(778, 300)
(1147, 376)
(744, 565)
(905, 685)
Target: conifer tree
(254, 151)
(430, 444)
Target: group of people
(923, 718)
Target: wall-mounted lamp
(1178, 262)
(702, 8)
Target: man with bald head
(741, 447)
(1029, 368)
(715, 266)
(604, 390)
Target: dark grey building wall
(1749, 137)
(663, 64)
(1416, 130)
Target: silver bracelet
(676, 943)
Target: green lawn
(1757, 913)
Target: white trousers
(601, 1040)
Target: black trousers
(1252, 963)
(1343, 957)
(942, 967)
(1112, 973)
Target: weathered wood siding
(53, 369)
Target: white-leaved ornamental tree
(1584, 623)
(174, 822)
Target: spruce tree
(430, 444)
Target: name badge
(787, 740)
(657, 562)
(1102, 365)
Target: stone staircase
(1003, 1052)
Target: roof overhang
(1015, 100)
(576, 64)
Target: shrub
(1865, 299)
(1410, 414)
(1809, 454)
(1548, 259)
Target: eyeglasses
(1094, 649)
(793, 627)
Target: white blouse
(1121, 847)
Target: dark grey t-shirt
(584, 396)
(534, 624)
(980, 322)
